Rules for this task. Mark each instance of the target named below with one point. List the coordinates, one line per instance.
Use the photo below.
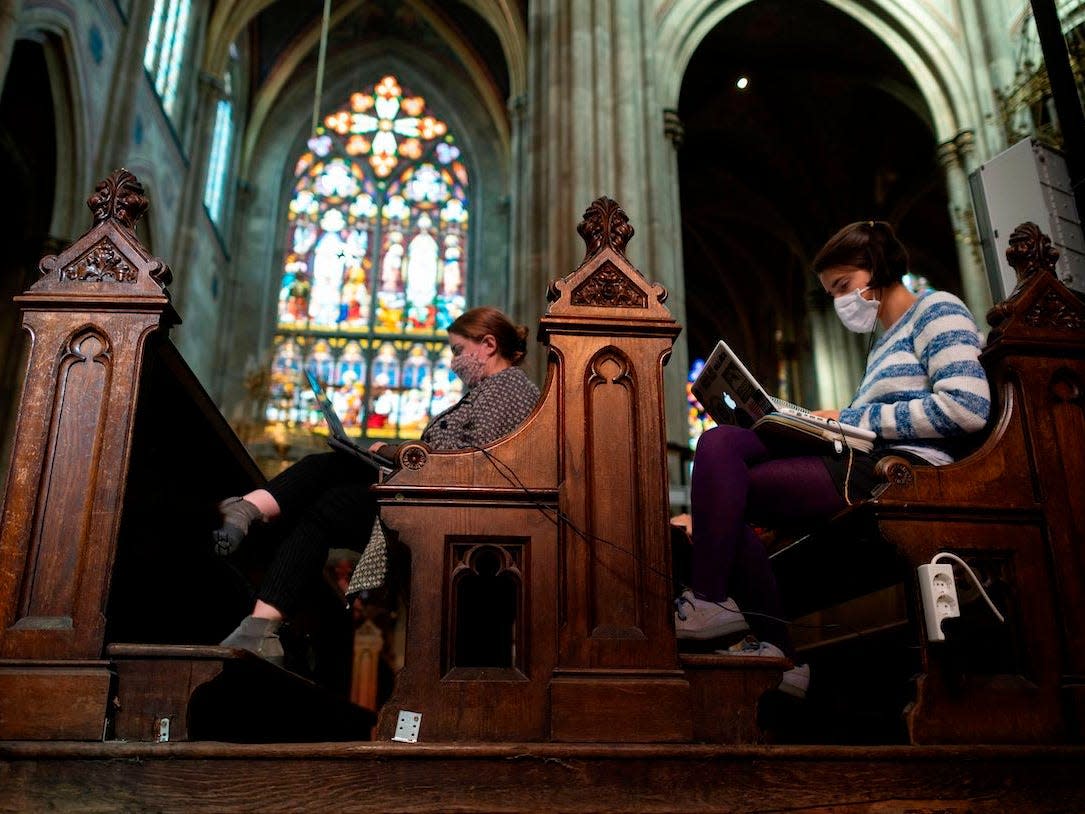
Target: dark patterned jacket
(494, 407)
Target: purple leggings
(736, 479)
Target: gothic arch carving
(928, 51)
(285, 72)
(57, 32)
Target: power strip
(939, 593)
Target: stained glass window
(699, 420)
(218, 165)
(166, 48)
(375, 268)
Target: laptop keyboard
(787, 406)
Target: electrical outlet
(407, 726)
(939, 593)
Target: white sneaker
(701, 619)
(795, 682)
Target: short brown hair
(478, 322)
(867, 244)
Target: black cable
(514, 479)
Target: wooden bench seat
(190, 692)
(1013, 509)
(565, 521)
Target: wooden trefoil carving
(1053, 312)
(101, 263)
(609, 288)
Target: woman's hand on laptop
(833, 415)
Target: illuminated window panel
(698, 420)
(375, 267)
(165, 49)
(219, 162)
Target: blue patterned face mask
(858, 314)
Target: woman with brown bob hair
(324, 498)
(923, 392)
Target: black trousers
(324, 500)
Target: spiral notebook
(724, 375)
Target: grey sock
(237, 515)
(259, 636)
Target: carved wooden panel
(609, 288)
(88, 317)
(615, 540)
(486, 581)
(587, 472)
(69, 478)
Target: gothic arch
(281, 139)
(231, 18)
(505, 18)
(57, 33)
(927, 51)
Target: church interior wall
(514, 130)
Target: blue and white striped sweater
(924, 384)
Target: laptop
(724, 376)
(338, 438)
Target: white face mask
(857, 314)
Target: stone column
(247, 309)
(839, 357)
(189, 231)
(521, 302)
(128, 75)
(593, 128)
(9, 17)
(955, 156)
(670, 225)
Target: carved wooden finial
(119, 197)
(605, 224)
(1030, 251)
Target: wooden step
(474, 777)
(725, 692)
(203, 692)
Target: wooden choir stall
(540, 665)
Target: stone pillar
(128, 75)
(955, 156)
(211, 89)
(839, 357)
(522, 302)
(677, 372)
(248, 313)
(991, 68)
(593, 128)
(9, 17)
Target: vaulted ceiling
(830, 129)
